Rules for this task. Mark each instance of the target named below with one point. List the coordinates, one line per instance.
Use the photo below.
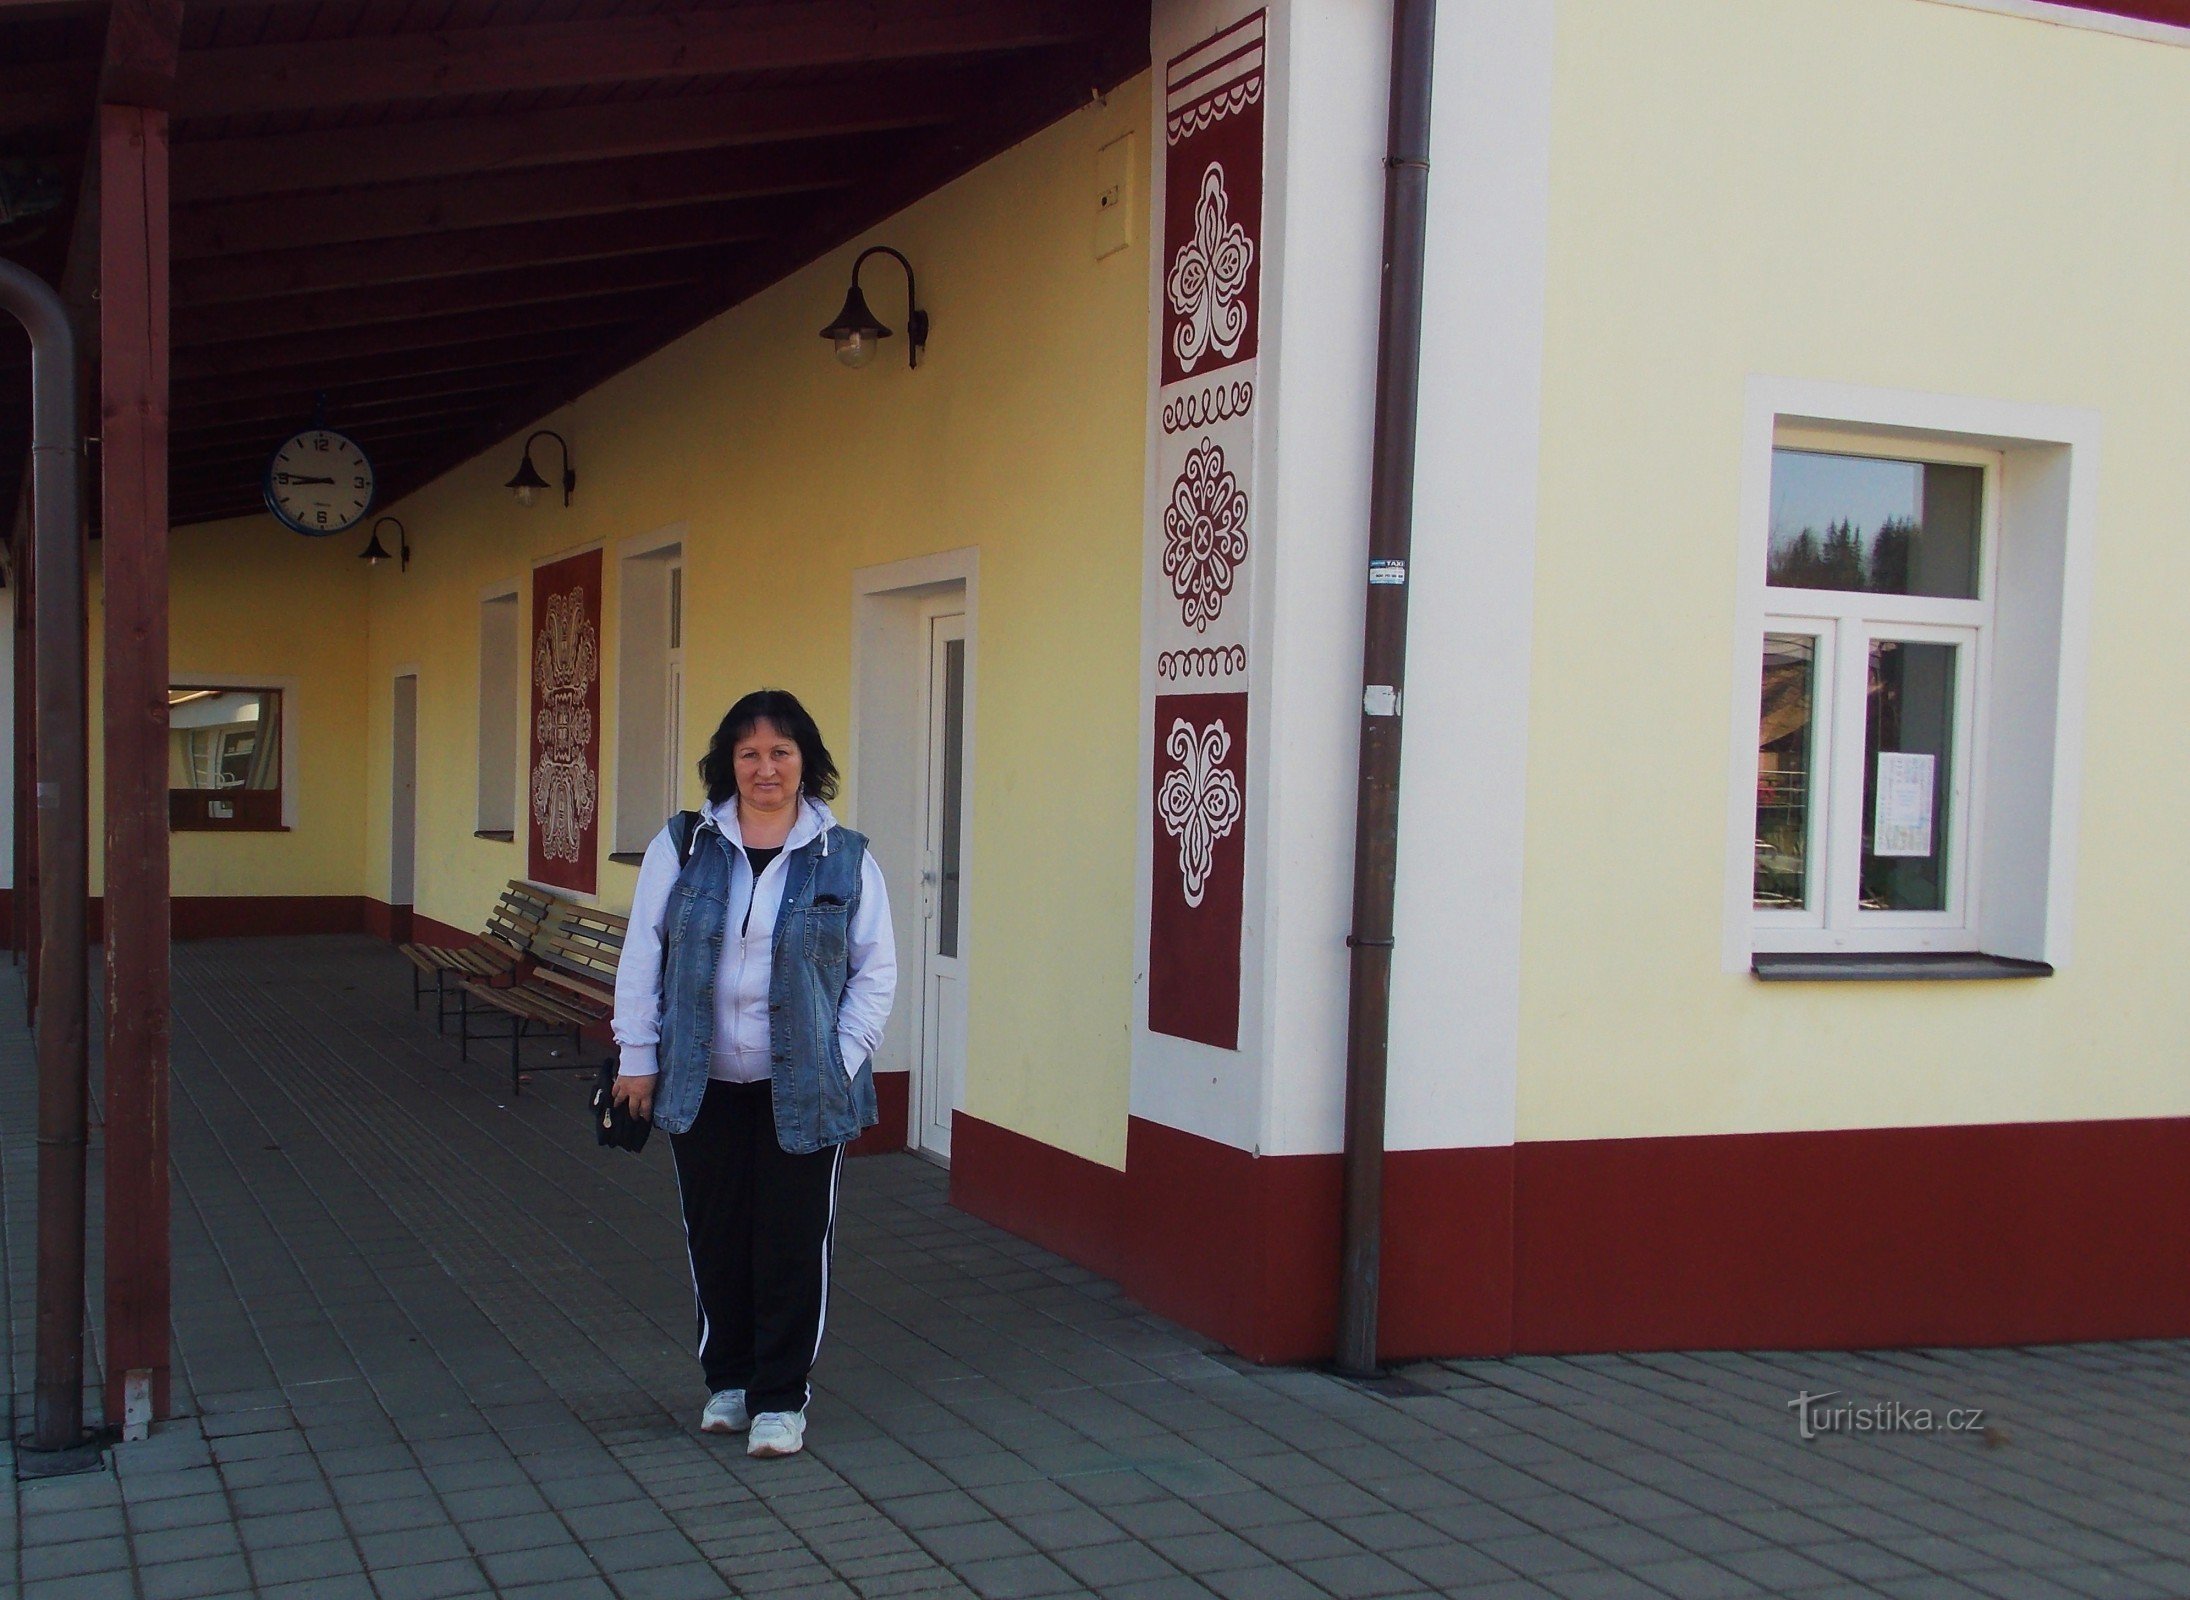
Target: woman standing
(755, 980)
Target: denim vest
(816, 1104)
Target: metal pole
(56, 472)
(1383, 671)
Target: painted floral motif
(566, 658)
(1199, 800)
(1209, 276)
(1204, 535)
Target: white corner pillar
(1267, 212)
(1267, 190)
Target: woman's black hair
(781, 710)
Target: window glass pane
(1784, 760)
(1908, 748)
(1877, 526)
(223, 738)
(954, 783)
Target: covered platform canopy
(451, 216)
(426, 223)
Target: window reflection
(223, 757)
(1783, 771)
(1874, 526)
(223, 739)
(1908, 747)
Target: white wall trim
(291, 698)
(500, 589)
(1453, 1079)
(886, 614)
(567, 552)
(643, 544)
(2076, 17)
(962, 565)
(2049, 493)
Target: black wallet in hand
(613, 1124)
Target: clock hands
(298, 478)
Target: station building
(1788, 949)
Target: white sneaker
(725, 1412)
(777, 1433)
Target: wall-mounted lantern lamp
(375, 552)
(528, 482)
(857, 330)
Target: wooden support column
(133, 346)
(23, 922)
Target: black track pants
(760, 1225)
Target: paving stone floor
(430, 1342)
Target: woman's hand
(635, 1095)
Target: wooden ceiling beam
(448, 147)
(768, 36)
(309, 377)
(269, 430)
(1030, 104)
(257, 416)
(203, 363)
(254, 449)
(215, 404)
(229, 279)
(63, 97)
(364, 304)
(539, 194)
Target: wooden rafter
(1031, 102)
(364, 304)
(451, 147)
(539, 194)
(468, 250)
(415, 334)
(772, 36)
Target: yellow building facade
(1672, 248)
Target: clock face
(319, 482)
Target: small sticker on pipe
(1382, 572)
(1380, 700)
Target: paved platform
(431, 1342)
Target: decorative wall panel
(1202, 528)
(565, 779)
(1200, 877)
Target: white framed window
(501, 713)
(1914, 580)
(1879, 562)
(651, 781)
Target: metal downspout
(56, 473)
(1383, 671)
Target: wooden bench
(569, 984)
(498, 951)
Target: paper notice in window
(1901, 823)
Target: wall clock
(319, 482)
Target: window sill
(1870, 966)
(505, 835)
(628, 858)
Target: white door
(403, 802)
(673, 708)
(939, 1077)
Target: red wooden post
(26, 765)
(133, 322)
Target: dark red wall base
(2002, 1234)
(892, 1098)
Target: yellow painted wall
(249, 599)
(1022, 434)
(1883, 192)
